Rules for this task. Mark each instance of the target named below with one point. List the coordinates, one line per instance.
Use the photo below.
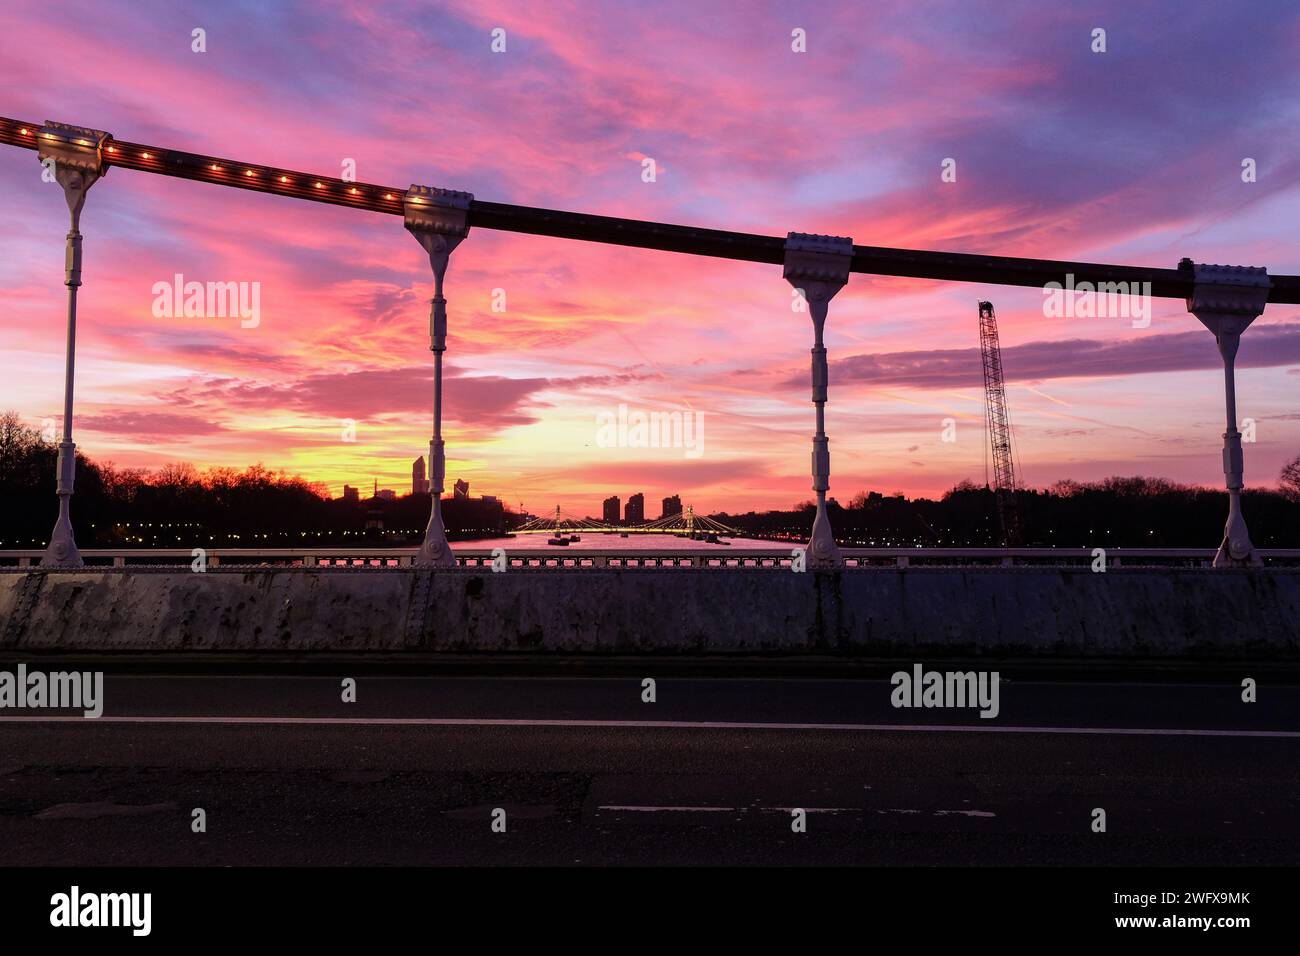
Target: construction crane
(999, 428)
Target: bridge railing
(774, 557)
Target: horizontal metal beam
(741, 246)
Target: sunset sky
(1131, 156)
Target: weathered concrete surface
(1125, 612)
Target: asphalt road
(588, 773)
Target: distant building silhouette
(386, 494)
(351, 494)
(375, 514)
(483, 515)
(419, 483)
(460, 489)
(672, 506)
(634, 513)
(611, 510)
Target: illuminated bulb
(25, 131)
(353, 189)
(145, 155)
(248, 172)
(111, 149)
(284, 179)
(388, 195)
(318, 186)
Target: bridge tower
(690, 519)
(999, 427)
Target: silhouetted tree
(1290, 479)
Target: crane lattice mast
(999, 426)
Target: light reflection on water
(613, 542)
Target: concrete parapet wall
(1124, 612)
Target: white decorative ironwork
(818, 266)
(76, 154)
(1226, 299)
(439, 221)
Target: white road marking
(654, 724)
(562, 678)
(815, 809)
(640, 809)
(672, 809)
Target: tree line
(179, 506)
(1132, 512)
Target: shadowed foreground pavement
(82, 792)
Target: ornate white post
(1227, 299)
(439, 220)
(818, 266)
(77, 158)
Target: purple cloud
(1264, 346)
